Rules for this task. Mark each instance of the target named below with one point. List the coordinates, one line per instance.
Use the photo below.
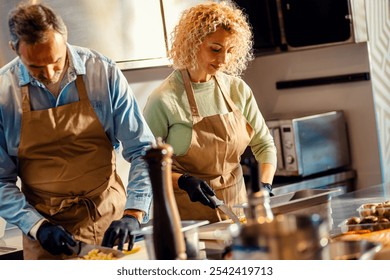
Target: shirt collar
(75, 61)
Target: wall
(356, 99)
(142, 82)
(378, 21)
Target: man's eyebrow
(37, 66)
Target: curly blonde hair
(198, 22)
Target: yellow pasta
(96, 254)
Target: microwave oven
(310, 144)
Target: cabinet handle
(354, 77)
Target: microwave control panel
(283, 134)
(289, 154)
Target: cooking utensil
(82, 249)
(287, 237)
(224, 208)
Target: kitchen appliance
(288, 25)
(310, 144)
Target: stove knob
(290, 159)
(288, 144)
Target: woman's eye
(215, 50)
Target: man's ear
(11, 45)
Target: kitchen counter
(342, 207)
(346, 205)
(11, 247)
(342, 179)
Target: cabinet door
(125, 31)
(313, 22)
(172, 12)
(263, 17)
(130, 32)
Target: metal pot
(287, 237)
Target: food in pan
(375, 209)
(352, 221)
(373, 217)
(367, 209)
(96, 254)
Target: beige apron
(217, 144)
(67, 170)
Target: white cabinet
(172, 12)
(131, 32)
(127, 31)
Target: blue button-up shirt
(114, 104)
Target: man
(63, 109)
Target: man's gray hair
(30, 22)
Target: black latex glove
(197, 189)
(121, 231)
(55, 239)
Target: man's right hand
(197, 189)
(55, 239)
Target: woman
(207, 113)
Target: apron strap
(224, 91)
(81, 88)
(26, 107)
(190, 93)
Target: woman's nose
(222, 58)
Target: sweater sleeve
(262, 143)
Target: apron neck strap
(190, 93)
(224, 91)
(26, 107)
(81, 88)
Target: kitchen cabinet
(129, 32)
(308, 22)
(263, 16)
(133, 33)
(172, 10)
(281, 25)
